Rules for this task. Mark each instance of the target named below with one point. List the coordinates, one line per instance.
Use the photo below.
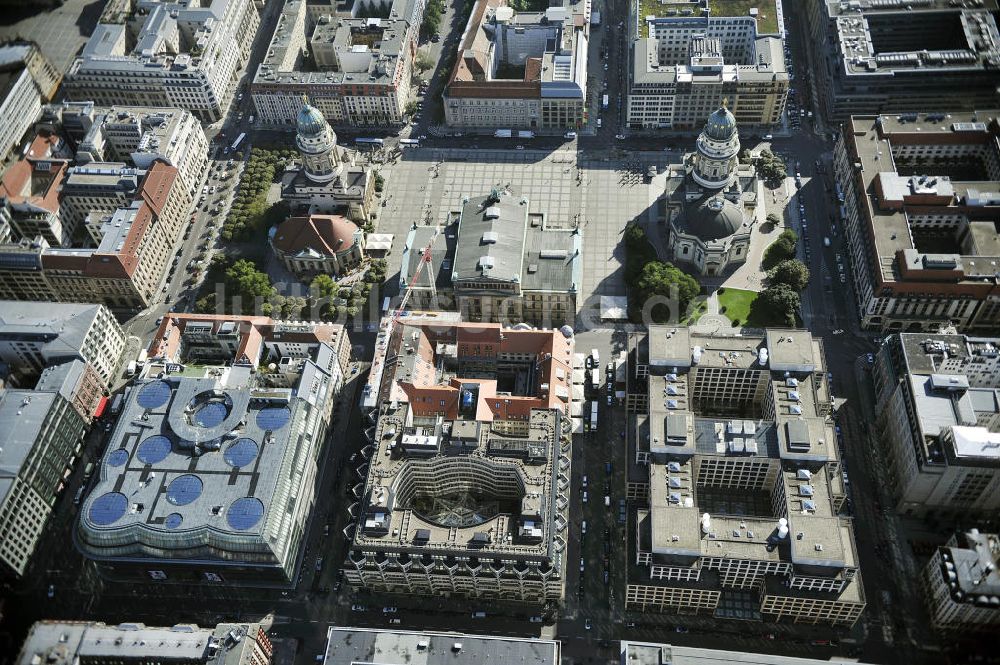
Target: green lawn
(767, 12)
(737, 303)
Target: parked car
(389, 610)
(358, 608)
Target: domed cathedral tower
(718, 150)
(317, 144)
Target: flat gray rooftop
(349, 646)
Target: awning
(102, 406)
(614, 308)
(379, 242)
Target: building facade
(233, 442)
(128, 265)
(940, 423)
(31, 191)
(668, 91)
(35, 335)
(747, 418)
(139, 136)
(359, 71)
(961, 586)
(520, 70)
(40, 432)
(183, 57)
(920, 195)
(93, 191)
(20, 103)
(462, 493)
(885, 58)
(94, 643)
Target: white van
(583, 526)
(569, 136)
(607, 501)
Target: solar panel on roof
(184, 489)
(154, 449)
(154, 395)
(118, 457)
(273, 418)
(240, 453)
(108, 508)
(244, 513)
(210, 415)
(173, 520)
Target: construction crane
(425, 260)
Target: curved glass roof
(118, 457)
(244, 513)
(182, 490)
(273, 418)
(173, 520)
(210, 415)
(154, 449)
(108, 508)
(241, 453)
(154, 395)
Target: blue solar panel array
(211, 415)
(108, 508)
(154, 395)
(244, 513)
(273, 418)
(173, 520)
(118, 457)
(182, 490)
(154, 449)
(241, 453)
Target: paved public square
(594, 190)
(60, 32)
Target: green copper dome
(310, 121)
(721, 125)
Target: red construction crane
(425, 260)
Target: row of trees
(786, 277)
(780, 250)
(245, 280)
(432, 18)
(250, 215)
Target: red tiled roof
(324, 234)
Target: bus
(409, 141)
(593, 415)
(239, 140)
(369, 141)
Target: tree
(249, 283)
(379, 182)
(668, 281)
(324, 286)
(778, 303)
(423, 61)
(773, 219)
(791, 272)
(781, 249)
(411, 108)
(771, 168)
